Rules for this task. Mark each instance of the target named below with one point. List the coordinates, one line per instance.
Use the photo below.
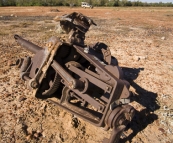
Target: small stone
(22, 98)
(43, 134)
(165, 108)
(39, 131)
(29, 130)
(28, 137)
(161, 130)
(9, 112)
(143, 57)
(163, 38)
(36, 135)
(136, 58)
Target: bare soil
(142, 41)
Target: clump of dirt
(54, 10)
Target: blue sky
(164, 1)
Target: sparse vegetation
(116, 3)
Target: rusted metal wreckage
(82, 79)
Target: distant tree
(8, 2)
(78, 3)
(122, 2)
(1, 2)
(169, 4)
(95, 2)
(116, 3)
(90, 2)
(102, 2)
(110, 3)
(65, 3)
(145, 4)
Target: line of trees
(115, 3)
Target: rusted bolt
(33, 84)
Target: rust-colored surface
(141, 40)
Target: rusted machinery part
(73, 55)
(66, 93)
(81, 81)
(26, 44)
(117, 119)
(103, 51)
(54, 85)
(74, 63)
(55, 82)
(77, 85)
(76, 25)
(75, 20)
(63, 51)
(93, 86)
(25, 64)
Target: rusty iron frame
(88, 73)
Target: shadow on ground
(145, 98)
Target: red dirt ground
(142, 41)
